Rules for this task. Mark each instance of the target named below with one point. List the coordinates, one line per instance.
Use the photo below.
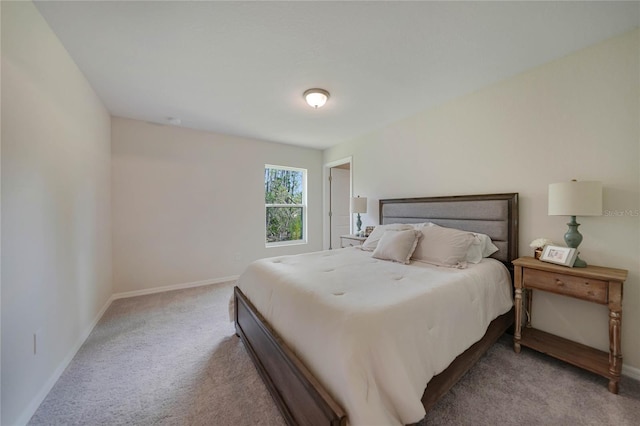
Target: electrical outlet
(237, 257)
(37, 337)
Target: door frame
(326, 234)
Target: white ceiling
(241, 67)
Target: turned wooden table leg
(615, 320)
(518, 321)
(518, 309)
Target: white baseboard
(632, 372)
(44, 391)
(172, 287)
(46, 388)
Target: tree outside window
(285, 204)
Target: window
(285, 200)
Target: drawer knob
(559, 283)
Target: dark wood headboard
(493, 214)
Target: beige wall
(188, 206)
(56, 238)
(577, 117)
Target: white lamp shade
(316, 97)
(575, 198)
(359, 205)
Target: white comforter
(372, 331)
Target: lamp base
(579, 263)
(573, 238)
(359, 224)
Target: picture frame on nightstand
(565, 256)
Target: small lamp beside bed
(359, 205)
(575, 199)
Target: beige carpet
(173, 359)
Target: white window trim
(304, 240)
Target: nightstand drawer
(351, 241)
(582, 288)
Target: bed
(304, 398)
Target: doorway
(337, 202)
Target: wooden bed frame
(300, 397)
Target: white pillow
(481, 247)
(397, 245)
(443, 246)
(372, 240)
(422, 224)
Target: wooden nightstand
(593, 284)
(351, 240)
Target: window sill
(286, 243)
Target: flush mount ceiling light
(316, 97)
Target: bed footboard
(300, 397)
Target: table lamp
(359, 205)
(575, 199)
